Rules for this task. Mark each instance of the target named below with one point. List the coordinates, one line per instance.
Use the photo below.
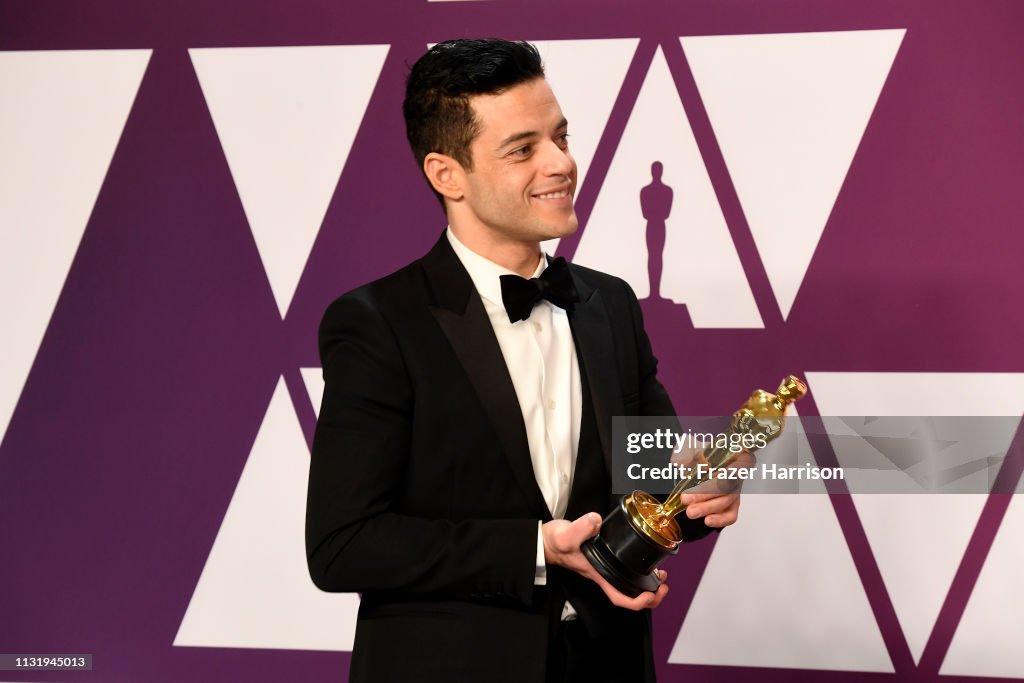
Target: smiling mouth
(553, 195)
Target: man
(463, 448)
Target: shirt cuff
(540, 578)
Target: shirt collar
(485, 273)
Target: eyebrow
(515, 137)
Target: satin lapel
(592, 331)
(460, 312)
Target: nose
(558, 161)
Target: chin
(543, 230)
(557, 234)
(569, 227)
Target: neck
(519, 257)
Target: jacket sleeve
(355, 541)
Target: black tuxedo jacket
(422, 494)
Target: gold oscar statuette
(642, 531)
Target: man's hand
(718, 509)
(717, 501)
(562, 540)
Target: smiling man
(516, 189)
(463, 448)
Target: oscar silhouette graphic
(656, 205)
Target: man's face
(523, 180)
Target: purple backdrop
(156, 369)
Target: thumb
(685, 454)
(689, 455)
(583, 528)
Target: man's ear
(445, 175)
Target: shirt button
(565, 478)
(538, 326)
(551, 404)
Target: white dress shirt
(541, 359)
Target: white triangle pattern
(61, 116)
(780, 588)
(918, 539)
(286, 118)
(255, 590)
(313, 379)
(701, 266)
(789, 111)
(988, 640)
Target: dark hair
(438, 116)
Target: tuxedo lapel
(592, 332)
(460, 312)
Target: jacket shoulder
(612, 287)
(371, 310)
(384, 295)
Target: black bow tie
(555, 284)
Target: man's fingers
(717, 511)
(659, 595)
(711, 506)
(722, 520)
(744, 459)
(582, 528)
(689, 499)
(713, 487)
(687, 455)
(646, 600)
(571, 534)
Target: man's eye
(564, 137)
(522, 151)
